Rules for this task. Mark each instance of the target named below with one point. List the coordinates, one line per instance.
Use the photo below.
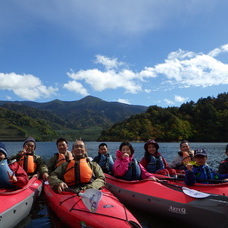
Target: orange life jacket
(27, 162)
(61, 158)
(78, 172)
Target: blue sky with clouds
(148, 52)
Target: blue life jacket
(155, 164)
(4, 178)
(205, 172)
(106, 162)
(133, 172)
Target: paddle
(90, 198)
(197, 180)
(187, 191)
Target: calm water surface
(40, 215)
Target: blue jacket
(201, 174)
(4, 169)
(105, 161)
(133, 172)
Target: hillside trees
(16, 126)
(205, 121)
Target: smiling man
(79, 173)
(63, 155)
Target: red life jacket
(27, 162)
(78, 172)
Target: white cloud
(76, 87)
(219, 50)
(8, 98)
(180, 99)
(113, 77)
(181, 69)
(108, 62)
(169, 102)
(27, 86)
(125, 101)
(147, 90)
(188, 69)
(177, 99)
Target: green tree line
(15, 126)
(203, 121)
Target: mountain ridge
(87, 113)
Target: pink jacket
(121, 166)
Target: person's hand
(12, 178)
(45, 176)
(125, 155)
(153, 178)
(61, 187)
(22, 152)
(189, 166)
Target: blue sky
(147, 52)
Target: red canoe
(170, 200)
(16, 205)
(71, 210)
(213, 187)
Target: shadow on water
(38, 218)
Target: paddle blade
(194, 193)
(91, 198)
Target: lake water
(40, 215)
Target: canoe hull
(72, 212)
(18, 204)
(156, 198)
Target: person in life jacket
(63, 155)
(199, 171)
(126, 167)
(79, 173)
(33, 164)
(184, 156)
(104, 159)
(154, 162)
(223, 166)
(12, 175)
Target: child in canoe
(104, 159)
(126, 167)
(12, 174)
(154, 162)
(200, 172)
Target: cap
(150, 141)
(29, 139)
(3, 148)
(200, 152)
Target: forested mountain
(205, 120)
(15, 126)
(90, 117)
(84, 118)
